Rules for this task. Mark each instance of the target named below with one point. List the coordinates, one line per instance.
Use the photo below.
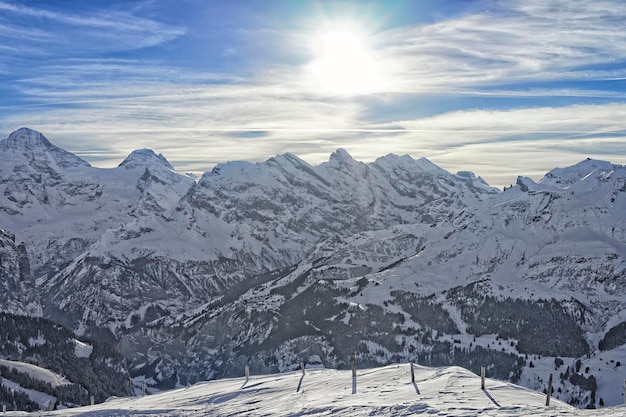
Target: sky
(501, 88)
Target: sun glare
(344, 65)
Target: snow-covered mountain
(271, 263)
(120, 241)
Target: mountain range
(269, 264)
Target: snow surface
(561, 238)
(82, 349)
(43, 400)
(36, 372)
(384, 391)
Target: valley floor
(386, 391)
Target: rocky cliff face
(270, 263)
(17, 286)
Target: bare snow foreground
(384, 391)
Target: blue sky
(502, 88)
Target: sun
(344, 65)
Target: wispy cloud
(502, 144)
(531, 40)
(103, 108)
(47, 32)
(200, 120)
(180, 114)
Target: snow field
(82, 349)
(36, 372)
(386, 391)
(43, 400)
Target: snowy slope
(533, 242)
(60, 205)
(146, 238)
(36, 372)
(41, 374)
(384, 391)
(41, 399)
(274, 262)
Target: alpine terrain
(269, 264)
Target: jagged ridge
(258, 262)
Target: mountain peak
(143, 157)
(565, 177)
(288, 158)
(35, 146)
(25, 138)
(341, 155)
(390, 161)
(341, 159)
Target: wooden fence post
(247, 371)
(4, 408)
(549, 393)
(353, 364)
(92, 400)
(143, 388)
(302, 367)
(482, 377)
(412, 373)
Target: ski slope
(386, 391)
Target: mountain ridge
(144, 157)
(259, 262)
(36, 148)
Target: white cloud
(533, 40)
(500, 145)
(48, 33)
(196, 127)
(103, 109)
